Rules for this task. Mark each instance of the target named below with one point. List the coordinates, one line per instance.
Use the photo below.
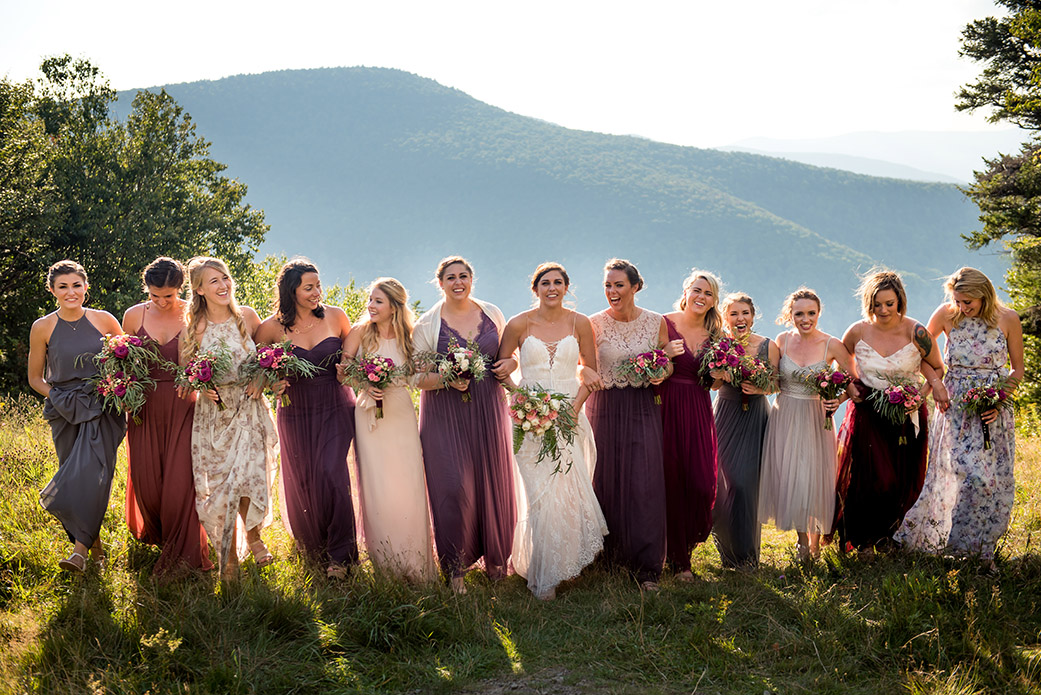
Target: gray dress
(85, 436)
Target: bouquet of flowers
(828, 383)
(982, 397)
(204, 370)
(897, 401)
(545, 414)
(645, 366)
(725, 354)
(273, 363)
(460, 362)
(124, 372)
(375, 371)
(758, 373)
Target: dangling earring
(86, 297)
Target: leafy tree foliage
(1008, 192)
(75, 182)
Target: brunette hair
(447, 261)
(163, 272)
(65, 267)
(975, 284)
(401, 321)
(546, 268)
(286, 284)
(196, 308)
(785, 317)
(635, 279)
(876, 282)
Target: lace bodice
(552, 365)
(880, 372)
(617, 341)
(228, 333)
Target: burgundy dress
(689, 446)
(628, 480)
(315, 432)
(467, 451)
(160, 488)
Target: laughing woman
(61, 345)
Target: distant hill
(373, 171)
(857, 165)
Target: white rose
(544, 409)
(464, 364)
(525, 425)
(528, 406)
(555, 404)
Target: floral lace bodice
(617, 341)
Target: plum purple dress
(86, 437)
(881, 465)
(468, 455)
(315, 432)
(739, 435)
(629, 479)
(689, 448)
(160, 505)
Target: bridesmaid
(629, 480)
(233, 450)
(740, 435)
(467, 446)
(160, 505)
(390, 457)
(797, 485)
(966, 503)
(882, 466)
(689, 432)
(315, 431)
(61, 345)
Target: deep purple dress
(468, 454)
(315, 432)
(160, 505)
(689, 447)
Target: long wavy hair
(289, 278)
(196, 309)
(975, 284)
(785, 317)
(875, 282)
(713, 319)
(397, 295)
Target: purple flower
(896, 397)
(733, 360)
(120, 390)
(134, 340)
(121, 351)
(837, 378)
(266, 358)
(204, 372)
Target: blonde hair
(713, 319)
(735, 298)
(878, 281)
(975, 284)
(785, 317)
(196, 309)
(401, 320)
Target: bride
(560, 528)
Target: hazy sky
(690, 73)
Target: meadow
(898, 624)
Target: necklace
(74, 325)
(311, 325)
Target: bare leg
(261, 555)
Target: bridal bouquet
(460, 362)
(982, 397)
(273, 363)
(375, 371)
(124, 372)
(545, 414)
(645, 366)
(829, 383)
(897, 401)
(204, 370)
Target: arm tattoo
(923, 339)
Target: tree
(112, 195)
(1008, 192)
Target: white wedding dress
(560, 528)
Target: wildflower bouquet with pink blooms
(726, 355)
(983, 396)
(759, 374)
(897, 401)
(124, 372)
(829, 383)
(460, 362)
(204, 371)
(373, 371)
(645, 366)
(546, 415)
(273, 363)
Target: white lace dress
(560, 528)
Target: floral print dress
(967, 500)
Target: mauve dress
(160, 505)
(86, 437)
(468, 455)
(629, 480)
(689, 448)
(315, 432)
(739, 435)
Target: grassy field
(893, 625)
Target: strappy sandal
(650, 587)
(71, 565)
(261, 555)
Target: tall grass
(896, 624)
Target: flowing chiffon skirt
(740, 435)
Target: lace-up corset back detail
(551, 365)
